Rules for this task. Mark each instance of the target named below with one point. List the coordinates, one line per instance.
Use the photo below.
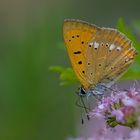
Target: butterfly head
(81, 92)
(99, 89)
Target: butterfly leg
(80, 103)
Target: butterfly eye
(69, 40)
(77, 35)
(82, 42)
(72, 36)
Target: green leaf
(134, 71)
(67, 75)
(136, 24)
(128, 32)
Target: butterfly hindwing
(109, 57)
(120, 57)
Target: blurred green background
(32, 104)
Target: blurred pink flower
(134, 135)
(120, 108)
(119, 115)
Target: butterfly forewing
(77, 35)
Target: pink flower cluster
(134, 135)
(121, 107)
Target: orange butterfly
(99, 56)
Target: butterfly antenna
(81, 107)
(80, 103)
(84, 106)
(82, 119)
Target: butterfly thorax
(99, 89)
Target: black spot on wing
(88, 63)
(83, 72)
(80, 62)
(77, 52)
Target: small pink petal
(129, 102)
(119, 115)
